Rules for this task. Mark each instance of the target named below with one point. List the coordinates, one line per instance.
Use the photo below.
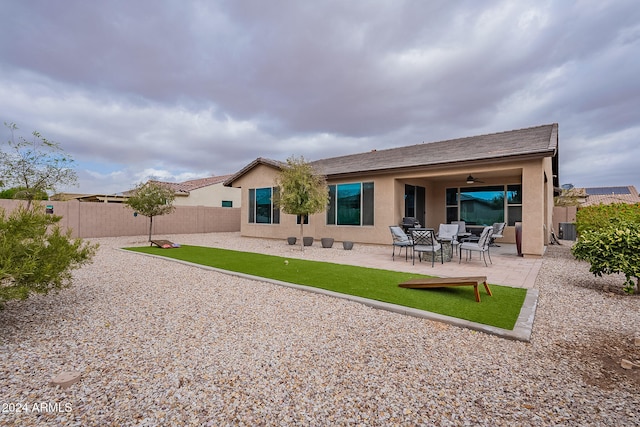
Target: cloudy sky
(183, 89)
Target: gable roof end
(259, 161)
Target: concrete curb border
(521, 332)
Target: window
(227, 203)
(452, 205)
(514, 204)
(351, 204)
(306, 219)
(261, 207)
(482, 205)
(485, 205)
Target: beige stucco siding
(211, 195)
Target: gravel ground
(161, 343)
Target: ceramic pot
(327, 242)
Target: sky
(183, 89)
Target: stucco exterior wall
(533, 203)
(211, 195)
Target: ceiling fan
(472, 180)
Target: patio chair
(482, 246)
(449, 233)
(400, 240)
(498, 228)
(409, 222)
(424, 240)
(462, 229)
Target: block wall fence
(563, 214)
(88, 219)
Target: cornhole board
(165, 244)
(442, 282)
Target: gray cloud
(189, 88)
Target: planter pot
(292, 240)
(327, 242)
(347, 245)
(307, 241)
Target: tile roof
(536, 141)
(183, 188)
(607, 195)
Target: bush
(597, 217)
(612, 248)
(35, 255)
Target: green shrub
(35, 255)
(601, 216)
(612, 248)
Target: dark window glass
(252, 205)
(409, 200)
(515, 214)
(306, 219)
(227, 204)
(367, 203)
(452, 197)
(452, 214)
(331, 208)
(514, 194)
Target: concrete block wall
(563, 214)
(114, 219)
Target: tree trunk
(150, 226)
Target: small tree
(35, 167)
(152, 199)
(35, 255)
(303, 192)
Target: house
(502, 177)
(572, 199)
(93, 198)
(204, 192)
(608, 195)
(208, 191)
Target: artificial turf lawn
(501, 310)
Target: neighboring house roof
(183, 188)
(110, 198)
(607, 195)
(535, 142)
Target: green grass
(501, 310)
